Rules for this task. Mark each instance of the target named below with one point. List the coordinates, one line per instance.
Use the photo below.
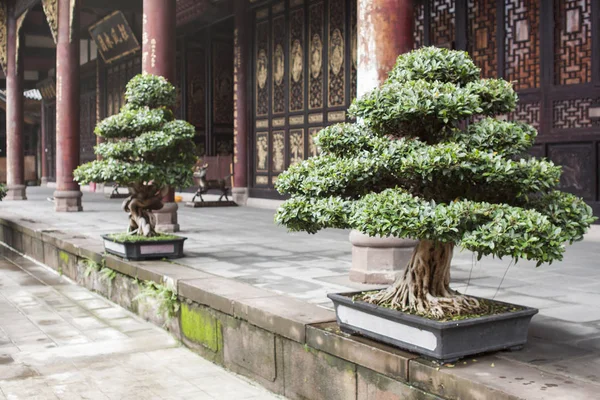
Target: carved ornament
(3, 36)
(51, 11)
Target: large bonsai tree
(146, 149)
(427, 160)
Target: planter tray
(442, 341)
(145, 250)
(199, 204)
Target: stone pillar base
(16, 192)
(378, 260)
(44, 181)
(240, 195)
(67, 201)
(166, 218)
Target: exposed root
(424, 288)
(143, 200)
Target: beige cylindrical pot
(377, 260)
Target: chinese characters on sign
(114, 37)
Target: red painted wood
(67, 99)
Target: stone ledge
(378, 357)
(298, 331)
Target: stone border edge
(298, 345)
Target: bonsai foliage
(146, 149)
(417, 166)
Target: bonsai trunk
(424, 287)
(143, 200)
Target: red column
(14, 113)
(44, 145)
(385, 30)
(158, 58)
(67, 195)
(240, 118)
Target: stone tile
(282, 315)
(376, 356)
(310, 374)
(219, 293)
(574, 313)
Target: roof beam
(122, 5)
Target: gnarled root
(143, 200)
(424, 288)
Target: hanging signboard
(114, 37)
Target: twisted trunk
(143, 200)
(424, 287)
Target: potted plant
(427, 160)
(148, 151)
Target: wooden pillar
(158, 58)
(67, 195)
(14, 112)
(241, 45)
(44, 146)
(385, 30)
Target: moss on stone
(63, 256)
(199, 326)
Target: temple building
(258, 79)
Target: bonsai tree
(427, 160)
(146, 149)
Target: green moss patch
(127, 238)
(201, 327)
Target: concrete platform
(256, 284)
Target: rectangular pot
(146, 250)
(442, 341)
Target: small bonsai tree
(146, 150)
(413, 166)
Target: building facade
(271, 74)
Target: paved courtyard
(61, 341)
(244, 244)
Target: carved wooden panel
(262, 68)
(278, 61)
(538, 151)
(316, 56)
(196, 88)
(262, 152)
(353, 49)
(296, 67)
(522, 43)
(419, 31)
(442, 29)
(222, 82)
(296, 146)
(313, 150)
(577, 161)
(482, 36)
(117, 77)
(278, 151)
(337, 53)
(87, 118)
(569, 114)
(573, 41)
(528, 113)
(224, 145)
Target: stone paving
(244, 244)
(61, 341)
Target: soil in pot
(486, 308)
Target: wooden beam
(122, 5)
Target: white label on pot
(385, 327)
(157, 249)
(117, 247)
